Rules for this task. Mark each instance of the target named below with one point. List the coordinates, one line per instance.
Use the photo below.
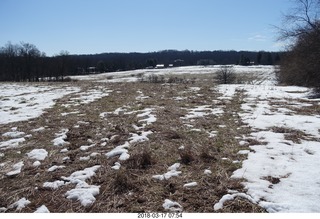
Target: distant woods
(25, 62)
(301, 28)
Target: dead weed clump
(186, 156)
(141, 160)
(122, 183)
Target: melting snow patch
(172, 172)
(82, 175)
(244, 152)
(61, 137)
(172, 206)
(120, 150)
(54, 185)
(13, 134)
(150, 117)
(202, 111)
(84, 193)
(229, 197)
(36, 163)
(84, 158)
(139, 138)
(86, 147)
(14, 108)
(55, 167)
(42, 209)
(64, 150)
(21, 203)
(38, 129)
(13, 143)
(116, 166)
(191, 184)
(207, 172)
(38, 154)
(16, 169)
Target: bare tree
(226, 75)
(301, 64)
(300, 20)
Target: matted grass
(132, 188)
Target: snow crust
(24, 102)
(16, 169)
(38, 154)
(42, 209)
(20, 204)
(172, 171)
(172, 206)
(280, 175)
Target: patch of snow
(244, 152)
(171, 173)
(23, 102)
(66, 158)
(191, 184)
(150, 117)
(172, 206)
(82, 175)
(20, 204)
(229, 197)
(119, 150)
(38, 154)
(36, 163)
(16, 169)
(83, 192)
(14, 134)
(42, 209)
(55, 167)
(38, 129)
(86, 147)
(54, 185)
(64, 150)
(84, 158)
(116, 166)
(61, 137)
(13, 143)
(201, 111)
(88, 96)
(281, 175)
(139, 137)
(207, 172)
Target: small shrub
(186, 156)
(140, 161)
(226, 75)
(122, 183)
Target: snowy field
(95, 146)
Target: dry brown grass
(132, 188)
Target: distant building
(92, 70)
(178, 62)
(159, 66)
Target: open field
(103, 144)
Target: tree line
(25, 62)
(301, 63)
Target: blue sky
(97, 26)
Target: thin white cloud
(258, 37)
